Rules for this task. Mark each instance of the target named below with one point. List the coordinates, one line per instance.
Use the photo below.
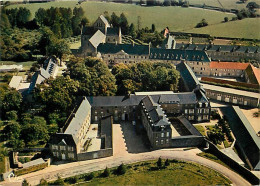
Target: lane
(75, 168)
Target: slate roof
(112, 31)
(78, 117)
(109, 48)
(105, 21)
(176, 54)
(154, 112)
(187, 75)
(115, 100)
(231, 91)
(228, 65)
(189, 126)
(244, 133)
(33, 163)
(88, 30)
(15, 82)
(169, 42)
(67, 138)
(97, 38)
(225, 48)
(106, 130)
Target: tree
(159, 162)
(12, 130)
(151, 2)
(46, 39)
(226, 19)
(123, 23)
(115, 20)
(167, 3)
(40, 16)
(25, 183)
(12, 100)
(43, 182)
(166, 163)
(106, 172)
(23, 16)
(12, 115)
(132, 30)
(202, 23)
(121, 169)
(58, 48)
(59, 181)
(153, 28)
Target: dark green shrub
(166, 163)
(72, 180)
(159, 163)
(121, 169)
(106, 172)
(89, 176)
(43, 182)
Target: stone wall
(188, 141)
(95, 154)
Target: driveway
(71, 169)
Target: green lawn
(176, 18)
(177, 173)
(227, 4)
(26, 65)
(246, 28)
(200, 129)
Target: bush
(106, 172)
(25, 183)
(89, 176)
(121, 169)
(226, 19)
(59, 181)
(159, 163)
(202, 23)
(72, 180)
(166, 163)
(43, 182)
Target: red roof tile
(257, 73)
(228, 65)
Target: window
(162, 135)
(70, 148)
(191, 111)
(71, 155)
(62, 147)
(156, 142)
(167, 134)
(167, 140)
(186, 111)
(55, 147)
(161, 142)
(200, 104)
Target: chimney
(149, 48)
(133, 43)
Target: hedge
(34, 168)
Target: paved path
(71, 169)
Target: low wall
(188, 141)
(238, 84)
(95, 154)
(23, 171)
(249, 176)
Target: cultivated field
(246, 28)
(176, 18)
(227, 4)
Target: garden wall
(233, 83)
(188, 141)
(248, 175)
(95, 154)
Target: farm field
(26, 65)
(227, 4)
(173, 17)
(246, 28)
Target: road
(75, 168)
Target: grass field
(26, 65)
(176, 18)
(227, 4)
(200, 129)
(246, 28)
(177, 173)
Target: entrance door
(123, 116)
(63, 157)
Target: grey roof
(44, 73)
(169, 42)
(105, 21)
(33, 163)
(231, 91)
(109, 48)
(15, 82)
(59, 138)
(154, 112)
(189, 126)
(212, 47)
(177, 54)
(112, 31)
(78, 117)
(188, 76)
(106, 130)
(97, 38)
(88, 30)
(105, 101)
(244, 133)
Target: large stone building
(224, 52)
